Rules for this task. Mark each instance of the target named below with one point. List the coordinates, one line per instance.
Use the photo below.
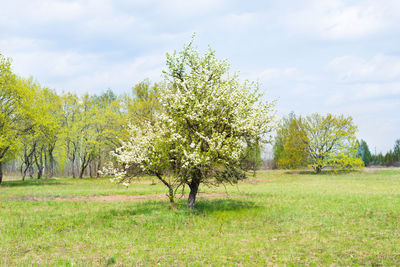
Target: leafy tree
(207, 116)
(144, 104)
(99, 130)
(107, 124)
(14, 111)
(53, 118)
(378, 159)
(330, 141)
(396, 150)
(251, 159)
(290, 149)
(140, 108)
(278, 148)
(364, 153)
(88, 136)
(71, 133)
(389, 159)
(44, 134)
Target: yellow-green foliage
(14, 112)
(331, 141)
(144, 104)
(320, 141)
(295, 149)
(290, 151)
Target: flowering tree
(207, 118)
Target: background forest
(66, 134)
(48, 134)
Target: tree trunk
(1, 172)
(81, 173)
(90, 170)
(84, 165)
(28, 160)
(28, 164)
(98, 165)
(171, 197)
(2, 155)
(73, 167)
(44, 162)
(318, 169)
(97, 168)
(39, 163)
(40, 173)
(51, 160)
(25, 170)
(194, 187)
(31, 171)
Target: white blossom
(206, 118)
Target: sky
(326, 56)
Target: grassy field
(279, 218)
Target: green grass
(289, 218)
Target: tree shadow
(208, 206)
(33, 182)
(203, 206)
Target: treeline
(390, 158)
(328, 141)
(317, 141)
(43, 133)
(46, 134)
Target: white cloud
(86, 72)
(92, 45)
(349, 95)
(281, 74)
(379, 68)
(39, 12)
(335, 20)
(375, 90)
(57, 10)
(184, 8)
(65, 64)
(363, 80)
(118, 76)
(238, 21)
(19, 44)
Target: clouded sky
(321, 56)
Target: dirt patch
(122, 198)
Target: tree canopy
(331, 141)
(15, 118)
(322, 141)
(206, 120)
(290, 150)
(364, 153)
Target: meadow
(275, 218)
